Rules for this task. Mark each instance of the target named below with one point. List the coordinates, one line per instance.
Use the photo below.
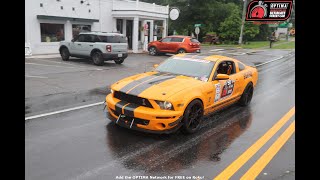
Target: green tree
(264, 32)
(230, 28)
(209, 13)
(250, 31)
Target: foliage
(220, 16)
(230, 28)
(250, 31)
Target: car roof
(208, 57)
(179, 36)
(102, 33)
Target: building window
(61, 7)
(41, 5)
(119, 25)
(73, 8)
(89, 10)
(51, 32)
(78, 28)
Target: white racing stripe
(35, 76)
(64, 110)
(49, 65)
(270, 61)
(99, 103)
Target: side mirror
(72, 40)
(156, 65)
(222, 77)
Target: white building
(49, 21)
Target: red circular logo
(257, 12)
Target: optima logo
(269, 10)
(279, 5)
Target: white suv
(99, 46)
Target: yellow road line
(258, 166)
(244, 157)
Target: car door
(88, 44)
(76, 45)
(175, 44)
(164, 43)
(225, 91)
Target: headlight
(111, 91)
(165, 105)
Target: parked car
(179, 92)
(99, 46)
(174, 44)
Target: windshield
(197, 68)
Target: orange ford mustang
(179, 92)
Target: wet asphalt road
(83, 144)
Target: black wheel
(247, 95)
(192, 117)
(119, 61)
(97, 58)
(180, 51)
(153, 51)
(65, 54)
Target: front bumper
(143, 118)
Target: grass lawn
(289, 45)
(259, 44)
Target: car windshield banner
(269, 10)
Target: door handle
(90, 45)
(79, 44)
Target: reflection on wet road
(83, 145)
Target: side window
(226, 67)
(176, 39)
(80, 38)
(95, 38)
(88, 38)
(241, 66)
(166, 40)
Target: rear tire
(181, 51)
(153, 51)
(97, 58)
(247, 95)
(65, 54)
(119, 61)
(192, 117)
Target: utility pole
(243, 18)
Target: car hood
(153, 85)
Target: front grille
(132, 99)
(129, 119)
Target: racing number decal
(227, 90)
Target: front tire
(247, 95)
(192, 117)
(65, 54)
(97, 58)
(153, 51)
